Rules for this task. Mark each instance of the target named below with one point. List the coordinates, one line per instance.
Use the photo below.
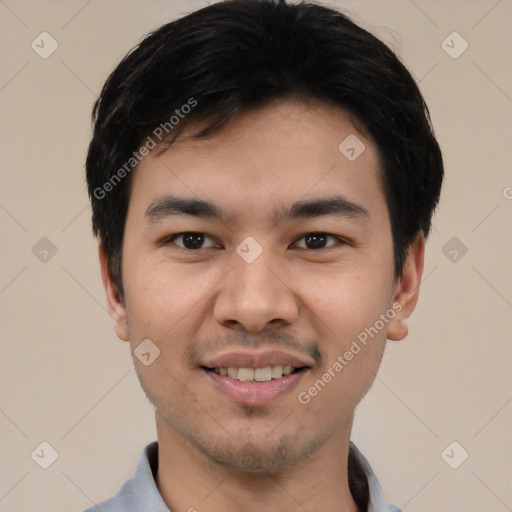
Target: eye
(317, 240)
(191, 240)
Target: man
(263, 177)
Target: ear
(116, 308)
(407, 289)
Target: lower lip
(255, 393)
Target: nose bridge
(254, 276)
(253, 294)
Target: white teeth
(255, 374)
(277, 371)
(263, 374)
(245, 374)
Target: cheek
(165, 297)
(347, 308)
(346, 302)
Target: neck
(189, 480)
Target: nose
(256, 296)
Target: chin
(258, 456)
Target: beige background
(67, 380)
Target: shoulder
(140, 492)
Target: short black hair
(224, 59)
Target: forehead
(274, 155)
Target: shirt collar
(140, 492)
(376, 503)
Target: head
(293, 136)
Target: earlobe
(116, 308)
(407, 289)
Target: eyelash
(169, 240)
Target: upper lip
(261, 359)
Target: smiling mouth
(263, 374)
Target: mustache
(281, 340)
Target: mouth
(259, 377)
(254, 386)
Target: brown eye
(317, 240)
(191, 240)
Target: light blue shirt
(140, 493)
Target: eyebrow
(339, 206)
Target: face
(289, 264)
